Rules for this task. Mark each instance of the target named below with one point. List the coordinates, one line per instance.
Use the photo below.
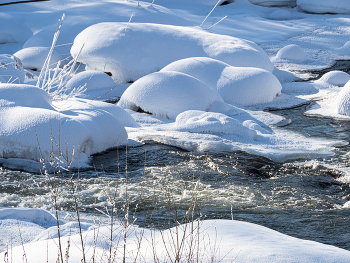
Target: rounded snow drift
(281, 14)
(11, 69)
(91, 79)
(34, 57)
(343, 100)
(199, 67)
(248, 86)
(292, 53)
(325, 6)
(167, 94)
(212, 122)
(335, 78)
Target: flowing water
(304, 198)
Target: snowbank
(223, 240)
(343, 100)
(335, 78)
(325, 6)
(13, 29)
(34, 215)
(11, 69)
(147, 48)
(167, 94)
(28, 117)
(34, 57)
(270, 3)
(292, 53)
(210, 122)
(243, 86)
(281, 14)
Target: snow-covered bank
(221, 240)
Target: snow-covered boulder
(11, 69)
(325, 6)
(212, 122)
(28, 117)
(130, 51)
(12, 29)
(92, 80)
(343, 100)
(244, 86)
(248, 86)
(292, 53)
(334, 78)
(199, 67)
(167, 94)
(281, 14)
(270, 3)
(34, 57)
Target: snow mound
(292, 53)
(34, 57)
(210, 122)
(211, 3)
(13, 30)
(91, 79)
(343, 100)
(147, 48)
(243, 86)
(34, 215)
(271, 3)
(284, 76)
(281, 14)
(199, 67)
(28, 117)
(167, 94)
(11, 69)
(335, 78)
(325, 6)
(248, 86)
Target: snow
(15, 30)
(11, 69)
(224, 240)
(281, 14)
(343, 100)
(325, 6)
(166, 94)
(209, 122)
(34, 57)
(84, 127)
(156, 46)
(292, 53)
(237, 85)
(291, 3)
(335, 78)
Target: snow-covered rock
(199, 67)
(343, 100)
(92, 80)
(28, 117)
(34, 57)
(334, 78)
(242, 86)
(211, 122)
(269, 3)
(325, 6)
(12, 29)
(11, 69)
(248, 86)
(292, 53)
(167, 94)
(281, 14)
(130, 51)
